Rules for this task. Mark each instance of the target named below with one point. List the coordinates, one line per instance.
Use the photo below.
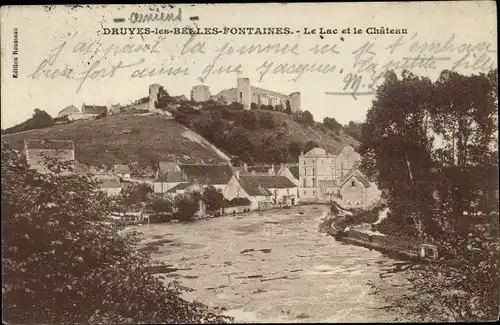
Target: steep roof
(259, 169)
(294, 170)
(49, 144)
(109, 183)
(180, 98)
(121, 169)
(180, 187)
(69, 110)
(94, 109)
(251, 185)
(259, 185)
(316, 151)
(166, 166)
(207, 174)
(359, 178)
(171, 177)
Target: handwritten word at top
(136, 17)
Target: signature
(136, 17)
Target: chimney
(237, 174)
(245, 167)
(301, 152)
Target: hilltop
(125, 138)
(255, 136)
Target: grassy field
(123, 138)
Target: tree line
(432, 146)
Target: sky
(53, 40)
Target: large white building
(324, 177)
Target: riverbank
(400, 247)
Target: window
(314, 171)
(314, 193)
(305, 183)
(305, 171)
(241, 95)
(314, 182)
(352, 184)
(275, 192)
(305, 192)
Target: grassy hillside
(125, 138)
(149, 138)
(244, 134)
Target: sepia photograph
(250, 163)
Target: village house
(357, 191)
(35, 150)
(171, 174)
(71, 109)
(109, 184)
(121, 170)
(263, 191)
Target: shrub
(213, 199)
(235, 106)
(266, 121)
(186, 206)
(62, 265)
(237, 201)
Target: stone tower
(153, 96)
(295, 102)
(244, 92)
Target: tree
(271, 151)
(248, 120)
(332, 123)
(437, 190)
(396, 145)
(353, 129)
(163, 99)
(254, 106)
(39, 120)
(62, 264)
(187, 205)
(213, 199)
(160, 204)
(135, 193)
(304, 118)
(235, 106)
(311, 145)
(266, 121)
(288, 108)
(279, 108)
(295, 148)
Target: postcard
(280, 162)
